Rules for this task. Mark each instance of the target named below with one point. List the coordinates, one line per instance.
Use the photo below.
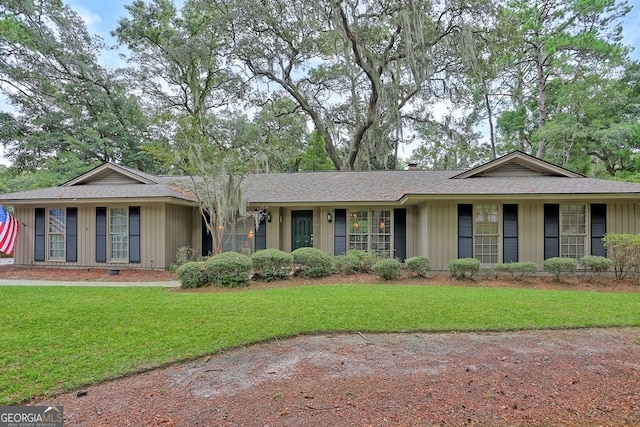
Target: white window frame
(370, 230)
(56, 234)
(118, 233)
(240, 237)
(573, 230)
(486, 232)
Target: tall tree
(66, 104)
(181, 66)
(357, 68)
(561, 40)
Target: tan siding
(531, 232)
(443, 241)
(113, 178)
(23, 254)
(152, 245)
(622, 217)
(177, 232)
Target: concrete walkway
(21, 282)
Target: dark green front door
(302, 229)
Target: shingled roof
(514, 174)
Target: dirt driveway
(587, 377)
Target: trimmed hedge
(229, 269)
(596, 264)
(559, 266)
(272, 264)
(345, 264)
(419, 265)
(624, 250)
(313, 262)
(193, 274)
(364, 259)
(388, 269)
(518, 269)
(459, 268)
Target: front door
(302, 229)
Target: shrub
(624, 251)
(345, 264)
(388, 269)
(459, 268)
(184, 255)
(596, 264)
(229, 269)
(518, 269)
(558, 266)
(364, 259)
(313, 262)
(419, 265)
(272, 264)
(193, 274)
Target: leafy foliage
(624, 251)
(419, 265)
(313, 262)
(193, 274)
(596, 264)
(518, 269)
(388, 269)
(272, 264)
(559, 266)
(229, 269)
(464, 267)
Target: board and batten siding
(178, 232)
(442, 234)
(436, 228)
(153, 244)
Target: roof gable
(109, 174)
(517, 164)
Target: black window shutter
(465, 231)
(598, 229)
(510, 233)
(400, 233)
(39, 244)
(339, 231)
(551, 231)
(134, 234)
(71, 240)
(261, 235)
(101, 234)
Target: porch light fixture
(329, 218)
(268, 216)
(250, 235)
(382, 225)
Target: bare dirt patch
(586, 377)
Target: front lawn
(60, 338)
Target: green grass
(59, 338)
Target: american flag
(8, 231)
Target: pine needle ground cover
(60, 338)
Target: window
(56, 233)
(573, 230)
(486, 233)
(119, 234)
(370, 231)
(239, 237)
